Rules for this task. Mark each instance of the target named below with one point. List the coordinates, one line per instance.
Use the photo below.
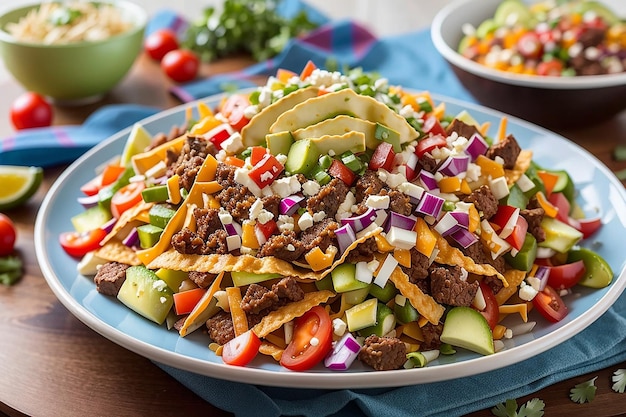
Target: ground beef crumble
(110, 277)
(383, 353)
(448, 288)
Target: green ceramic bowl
(74, 72)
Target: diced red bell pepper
(218, 135)
(586, 226)
(505, 219)
(257, 153)
(339, 170)
(266, 170)
(429, 143)
(382, 157)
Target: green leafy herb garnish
(584, 392)
(532, 408)
(619, 381)
(64, 16)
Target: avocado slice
(467, 328)
(600, 10)
(302, 157)
(146, 294)
(254, 132)
(340, 125)
(513, 11)
(559, 236)
(343, 102)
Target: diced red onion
(132, 239)
(233, 229)
(464, 237)
(461, 217)
(289, 205)
(476, 146)
(362, 221)
(427, 179)
(89, 201)
(430, 205)
(454, 165)
(399, 220)
(108, 226)
(411, 165)
(343, 354)
(542, 274)
(345, 237)
(447, 225)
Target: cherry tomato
(180, 65)
(382, 157)
(7, 235)
(242, 349)
(234, 108)
(79, 244)
(566, 275)
(126, 197)
(31, 110)
(550, 304)
(302, 353)
(429, 143)
(160, 42)
(491, 310)
(553, 67)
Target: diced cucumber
(156, 194)
(356, 296)
(466, 328)
(384, 294)
(598, 273)
(302, 157)
(160, 215)
(172, 277)
(525, 258)
(362, 315)
(404, 310)
(149, 235)
(559, 236)
(385, 322)
(564, 185)
(344, 278)
(242, 278)
(146, 294)
(91, 219)
(279, 143)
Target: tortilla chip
(449, 255)
(240, 320)
(117, 251)
(128, 218)
(271, 349)
(288, 312)
(522, 164)
(204, 309)
(423, 303)
(514, 277)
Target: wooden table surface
(52, 364)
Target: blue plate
(599, 193)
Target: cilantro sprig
(532, 408)
(619, 381)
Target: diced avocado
(599, 9)
(466, 328)
(467, 118)
(106, 194)
(355, 297)
(279, 143)
(156, 194)
(160, 215)
(362, 315)
(404, 310)
(172, 277)
(525, 257)
(465, 42)
(486, 27)
(254, 132)
(598, 273)
(513, 11)
(146, 294)
(345, 101)
(559, 236)
(385, 322)
(386, 134)
(91, 219)
(344, 278)
(384, 294)
(149, 235)
(302, 157)
(242, 278)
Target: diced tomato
(517, 237)
(505, 220)
(218, 135)
(185, 301)
(242, 349)
(566, 275)
(126, 197)
(79, 244)
(382, 157)
(339, 170)
(234, 108)
(302, 353)
(433, 126)
(559, 201)
(586, 226)
(491, 311)
(265, 230)
(92, 186)
(530, 46)
(429, 143)
(550, 304)
(266, 170)
(308, 69)
(257, 153)
(553, 67)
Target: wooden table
(52, 364)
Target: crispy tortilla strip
(285, 314)
(514, 278)
(205, 309)
(117, 251)
(423, 303)
(449, 255)
(522, 164)
(271, 349)
(214, 264)
(129, 217)
(240, 320)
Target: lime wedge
(19, 183)
(137, 142)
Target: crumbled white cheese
(339, 327)
(286, 186)
(250, 111)
(305, 221)
(290, 248)
(225, 216)
(163, 300)
(346, 206)
(265, 216)
(319, 216)
(242, 177)
(255, 209)
(394, 180)
(233, 144)
(233, 242)
(412, 190)
(534, 282)
(282, 158)
(526, 292)
(499, 187)
(377, 201)
(159, 285)
(310, 188)
(525, 183)
(285, 223)
(473, 172)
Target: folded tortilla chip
(522, 164)
(452, 256)
(116, 251)
(423, 303)
(514, 277)
(130, 218)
